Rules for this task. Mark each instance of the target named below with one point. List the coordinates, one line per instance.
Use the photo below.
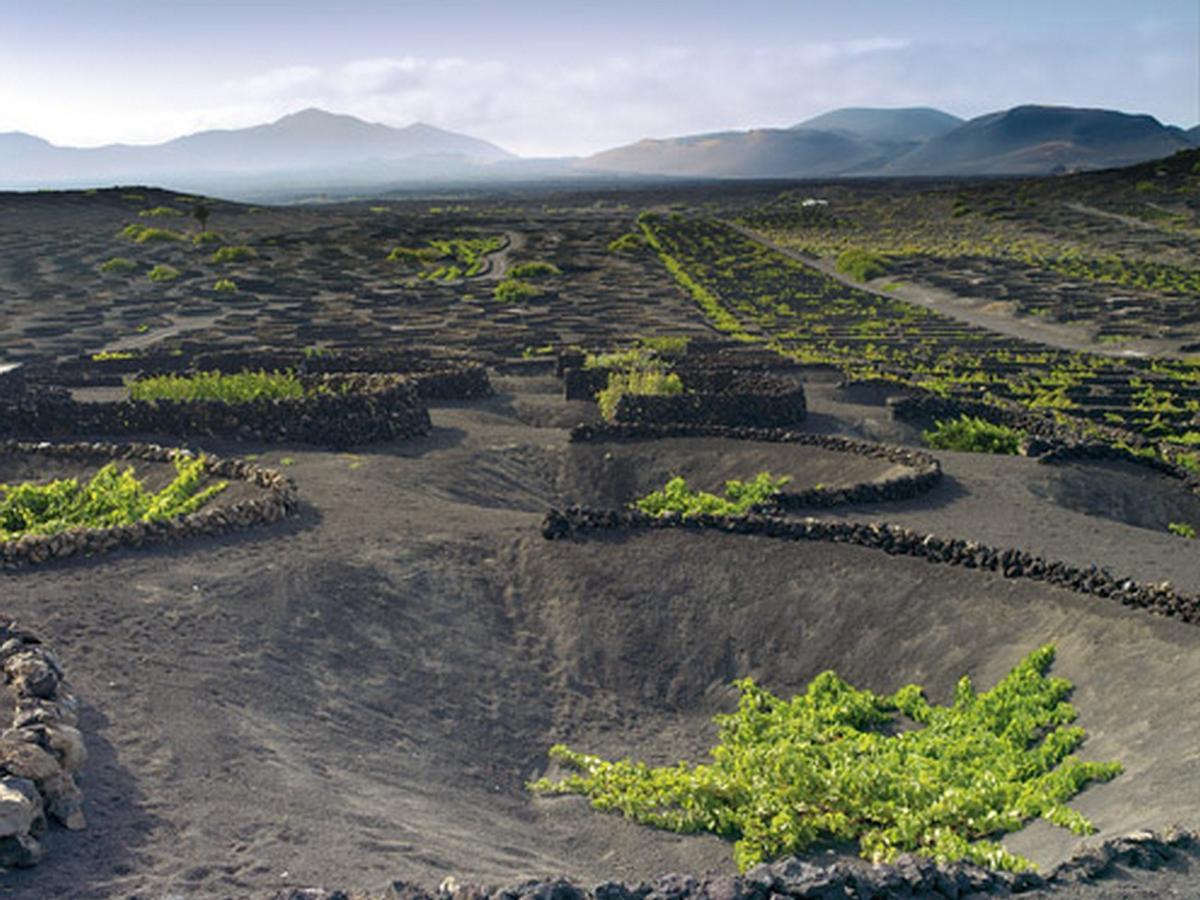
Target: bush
(861, 265)
(637, 381)
(740, 497)
(142, 234)
(627, 243)
(233, 253)
(160, 212)
(239, 387)
(225, 285)
(163, 272)
(207, 237)
(829, 765)
(511, 290)
(534, 270)
(118, 265)
(1182, 529)
(111, 498)
(974, 435)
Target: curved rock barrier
(40, 751)
(908, 877)
(337, 411)
(895, 541)
(925, 471)
(277, 502)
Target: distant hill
(1025, 140)
(915, 124)
(1194, 135)
(311, 143)
(762, 153)
(1030, 140)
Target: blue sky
(550, 78)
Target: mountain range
(1025, 140)
(314, 150)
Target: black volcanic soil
(360, 694)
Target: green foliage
(740, 497)
(510, 290)
(536, 269)
(106, 355)
(143, 234)
(628, 243)
(467, 253)
(225, 286)
(239, 387)
(118, 265)
(233, 253)
(651, 381)
(207, 237)
(161, 212)
(829, 765)
(163, 272)
(665, 345)
(109, 499)
(1182, 529)
(974, 435)
(861, 265)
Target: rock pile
(40, 751)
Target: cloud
(542, 108)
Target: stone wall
(895, 541)
(40, 751)
(278, 500)
(337, 411)
(924, 470)
(436, 377)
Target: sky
(557, 77)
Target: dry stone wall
(277, 501)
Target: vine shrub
(861, 265)
(973, 435)
(823, 766)
(238, 387)
(109, 499)
(636, 381)
(740, 497)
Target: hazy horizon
(541, 80)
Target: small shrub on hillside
(740, 497)
(239, 387)
(163, 272)
(511, 290)
(974, 435)
(536, 269)
(109, 499)
(638, 381)
(208, 237)
(233, 253)
(861, 265)
(830, 765)
(666, 345)
(225, 286)
(142, 234)
(627, 243)
(106, 355)
(161, 212)
(118, 265)
(1182, 529)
